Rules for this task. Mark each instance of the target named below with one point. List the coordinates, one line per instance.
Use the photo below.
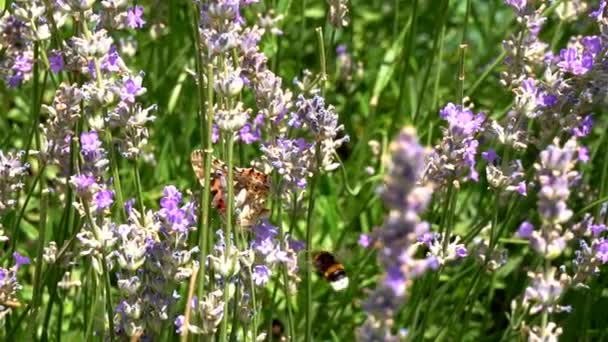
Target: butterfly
(251, 188)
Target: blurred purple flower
(261, 275)
(134, 17)
(525, 230)
(56, 62)
(103, 199)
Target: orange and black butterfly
(251, 188)
(330, 269)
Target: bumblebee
(330, 269)
(277, 331)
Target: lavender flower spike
(397, 239)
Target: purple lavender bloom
(601, 251)
(525, 230)
(23, 64)
(20, 260)
(103, 199)
(598, 14)
(171, 197)
(490, 156)
(364, 240)
(546, 100)
(462, 121)
(585, 127)
(583, 154)
(131, 88)
(522, 189)
(90, 144)
(461, 252)
(179, 324)
(592, 44)
(265, 234)
(341, 49)
(56, 62)
(112, 61)
(261, 275)
(597, 229)
(215, 133)
(252, 132)
(83, 182)
(292, 159)
(517, 4)
(571, 61)
(396, 240)
(129, 205)
(396, 281)
(134, 17)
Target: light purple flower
(584, 128)
(131, 88)
(90, 143)
(20, 260)
(574, 62)
(134, 17)
(103, 199)
(56, 62)
(260, 275)
(462, 121)
(364, 240)
(517, 4)
(601, 251)
(490, 156)
(525, 230)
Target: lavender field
(303, 170)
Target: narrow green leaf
(387, 68)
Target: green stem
(309, 230)
(205, 193)
(138, 189)
(228, 233)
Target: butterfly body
(251, 188)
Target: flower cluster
(397, 239)
(556, 174)
(153, 259)
(454, 158)
(9, 285)
(273, 253)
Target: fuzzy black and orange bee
(330, 269)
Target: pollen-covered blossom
(12, 173)
(397, 239)
(454, 158)
(10, 286)
(153, 259)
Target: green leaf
(176, 92)
(387, 68)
